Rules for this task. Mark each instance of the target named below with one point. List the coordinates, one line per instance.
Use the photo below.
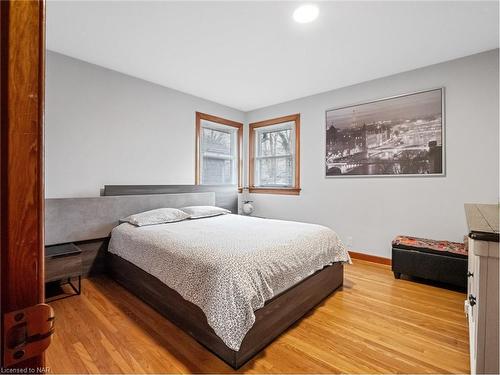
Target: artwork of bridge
(343, 166)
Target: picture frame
(397, 136)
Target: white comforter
(229, 265)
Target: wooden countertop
(482, 220)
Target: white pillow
(158, 216)
(197, 212)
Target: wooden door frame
(22, 70)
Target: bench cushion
(430, 246)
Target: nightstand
(64, 263)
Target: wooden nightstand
(63, 263)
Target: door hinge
(27, 333)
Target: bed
(234, 283)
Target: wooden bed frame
(87, 222)
(271, 320)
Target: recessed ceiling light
(306, 13)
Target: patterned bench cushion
(431, 246)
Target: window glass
(218, 154)
(275, 157)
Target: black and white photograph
(398, 136)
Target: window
(274, 156)
(218, 150)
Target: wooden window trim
(295, 190)
(219, 120)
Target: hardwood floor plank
(403, 323)
(354, 340)
(374, 324)
(86, 358)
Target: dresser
(481, 305)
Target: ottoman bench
(441, 261)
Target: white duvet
(229, 265)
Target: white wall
(373, 210)
(104, 127)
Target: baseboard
(370, 258)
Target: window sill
(281, 191)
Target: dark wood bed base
(274, 318)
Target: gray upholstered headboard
(82, 219)
(226, 196)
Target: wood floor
(374, 324)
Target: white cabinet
(482, 289)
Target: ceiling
(248, 55)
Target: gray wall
(373, 210)
(103, 127)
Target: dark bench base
(436, 267)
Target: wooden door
(22, 46)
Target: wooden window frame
(295, 190)
(239, 144)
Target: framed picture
(397, 136)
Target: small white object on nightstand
(247, 207)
